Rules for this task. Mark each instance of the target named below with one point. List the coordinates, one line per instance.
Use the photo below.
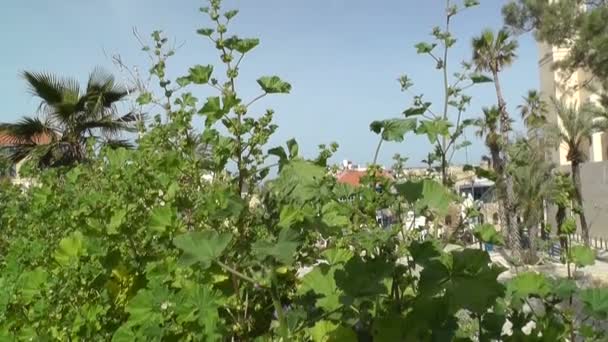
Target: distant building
(7, 147)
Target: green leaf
(596, 302)
(364, 278)
(300, 180)
(434, 129)
(424, 47)
(231, 14)
(202, 247)
(335, 256)
(70, 249)
(327, 331)
(417, 110)
(205, 31)
(200, 74)
(582, 256)
(274, 85)
(487, 233)
(144, 98)
(148, 305)
(290, 215)
(200, 303)
(245, 45)
(161, 218)
(427, 194)
(293, 147)
(480, 78)
(529, 284)
(283, 250)
(471, 3)
(183, 81)
(321, 282)
(389, 327)
(30, 283)
(212, 109)
(118, 218)
(393, 129)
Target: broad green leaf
(70, 249)
(389, 327)
(148, 305)
(364, 277)
(393, 129)
(289, 216)
(213, 110)
(118, 218)
(327, 331)
(529, 284)
(582, 256)
(200, 74)
(202, 247)
(299, 180)
(282, 251)
(564, 288)
(487, 233)
(596, 302)
(274, 85)
(245, 45)
(161, 218)
(425, 252)
(30, 283)
(321, 282)
(123, 334)
(200, 303)
(423, 47)
(335, 256)
(480, 78)
(436, 197)
(434, 129)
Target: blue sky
(342, 57)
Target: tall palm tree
(533, 111)
(68, 117)
(578, 123)
(492, 53)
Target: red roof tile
(8, 140)
(353, 177)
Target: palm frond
(118, 143)
(51, 88)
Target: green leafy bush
(165, 242)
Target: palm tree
(68, 117)
(492, 53)
(533, 110)
(487, 127)
(577, 127)
(533, 184)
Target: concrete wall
(594, 178)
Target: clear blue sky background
(342, 57)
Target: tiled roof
(8, 140)
(353, 177)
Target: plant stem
(378, 150)
(276, 301)
(238, 274)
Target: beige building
(572, 89)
